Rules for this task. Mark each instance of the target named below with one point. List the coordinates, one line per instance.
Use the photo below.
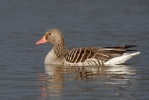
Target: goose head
(53, 36)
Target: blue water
(23, 74)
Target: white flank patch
(121, 59)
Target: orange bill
(42, 40)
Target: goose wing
(103, 54)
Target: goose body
(83, 56)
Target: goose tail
(121, 59)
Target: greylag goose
(83, 56)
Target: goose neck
(59, 48)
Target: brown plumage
(84, 55)
(81, 54)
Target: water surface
(23, 74)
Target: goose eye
(49, 33)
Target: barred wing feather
(103, 54)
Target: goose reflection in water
(60, 80)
